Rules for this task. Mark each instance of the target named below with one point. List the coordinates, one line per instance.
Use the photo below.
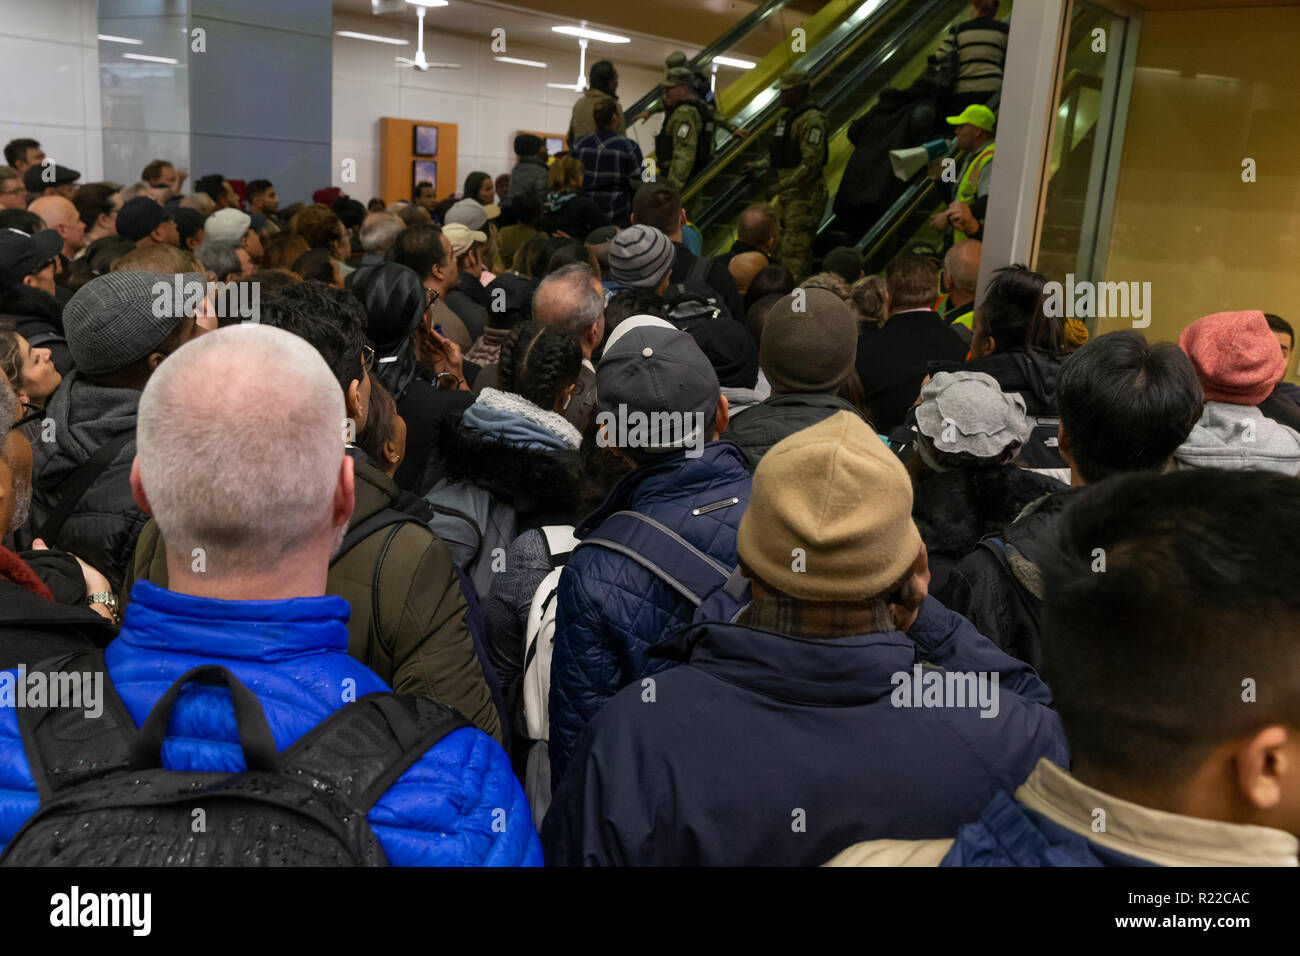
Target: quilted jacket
(611, 609)
(293, 655)
(106, 521)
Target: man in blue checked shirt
(611, 165)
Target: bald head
(961, 267)
(61, 216)
(744, 267)
(571, 299)
(240, 453)
(758, 226)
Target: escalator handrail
(863, 69)
(719, 46)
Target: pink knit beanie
(1236, 355)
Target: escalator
(737, 95)
(879, 44)
(906, 223)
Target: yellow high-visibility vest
(968, 187)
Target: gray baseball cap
(113, 320)
(649, 369)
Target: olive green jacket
(408, 613)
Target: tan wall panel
(1212, 88)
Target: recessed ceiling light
(738, 64)
(148, 59)
(371, 37)
(518, 62)
(112, 39)
(590, 34)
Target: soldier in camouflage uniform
(685, 142)
(798, 156)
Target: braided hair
(538, 362)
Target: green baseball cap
(979, 116)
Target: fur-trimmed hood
(519, 452)
(954, 509)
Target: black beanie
(730, 351)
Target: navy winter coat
(611, 609)
(1009, 834)
(771, 750)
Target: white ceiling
(478, 18)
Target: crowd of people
(522, 533)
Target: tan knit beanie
(830, 514)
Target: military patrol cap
(677, 75)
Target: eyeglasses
(32, 414)
(367, 358)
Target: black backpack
(105, 799)
(694, 300)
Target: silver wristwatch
(106, 598)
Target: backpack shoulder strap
(360, 750)
(699, 271)
(42, 338)
(381, 519)
(75, 486)
(65, 746)
(662, 552)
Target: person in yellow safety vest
(965, 214)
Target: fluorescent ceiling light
(518, 62)
(565, 86)
(590, 34)
(738, 64)
(427, 3)
(148, 59)
(112, 39)
(371, 37)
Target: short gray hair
(239, 439)
(141, 188)
(568, 300)
(220, 256)
(379, 231)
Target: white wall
(49, 71)
(489, 101)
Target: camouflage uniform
(801, 193)
(684, 126)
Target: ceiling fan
(419, 62)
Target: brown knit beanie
(810, 342)
(837, 493)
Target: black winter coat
(105, 523)
(38, 317)
(999, 590)
(954, 509)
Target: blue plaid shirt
(609, 161)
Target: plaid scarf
(817, 619)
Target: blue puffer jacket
(610, 610)
(293, 655)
